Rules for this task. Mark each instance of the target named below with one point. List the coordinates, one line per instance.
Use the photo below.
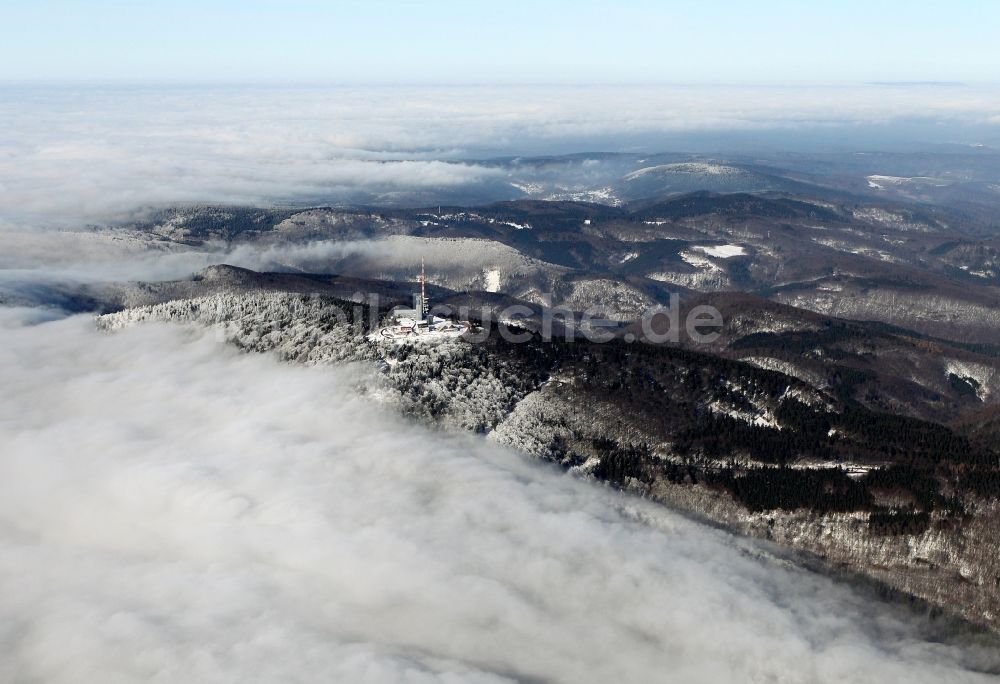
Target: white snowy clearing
(408, 331)
(491, 280)
(721, 251)
(698, 261)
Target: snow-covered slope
(453, 383)
(610, 413)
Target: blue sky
(382, 41)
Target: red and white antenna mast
(423, 289)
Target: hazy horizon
(584, 41)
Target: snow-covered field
(491, 280)
(721, 251)
(698, 261)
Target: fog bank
(69, 154)
(173, 510)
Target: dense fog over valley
(190, 512)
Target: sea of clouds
(76, 155)
(174, 510)
(71, 154)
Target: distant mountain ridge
(921, 268)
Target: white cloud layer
(172, 511)
(83, 153)
(31, 258)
